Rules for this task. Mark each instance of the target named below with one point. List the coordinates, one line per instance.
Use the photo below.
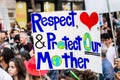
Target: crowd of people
(17, 57)
(110, 49)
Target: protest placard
(4, 18)
(101, 6)
(67, 39)
(21, 14)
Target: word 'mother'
(74, 61)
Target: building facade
(40, 5)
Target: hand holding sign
(89, 21)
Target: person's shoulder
(4, 75)
(30, 45)
(111, 48)
(107, 63)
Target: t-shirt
(28, 47)
(111, 54)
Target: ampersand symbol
(39, 37)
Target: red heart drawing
(89, 21)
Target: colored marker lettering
(39, 21)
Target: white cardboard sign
(100, 6)
(67, 39)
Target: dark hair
(7, 54)
(105, 36)
(20, 67)
(3, 31)
(25, 54)
(17, 37)
(88, 75)
(82, 75)
(110, 33)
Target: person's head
(3, 34)
(62, 78)
(25, 55)
(65, 78)
(15, 31)
(106, 39)
(80, 75)
(17, 68)
(23, 38)
(105, 24)
(17, 38)
(6, 54)
(104, 18)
